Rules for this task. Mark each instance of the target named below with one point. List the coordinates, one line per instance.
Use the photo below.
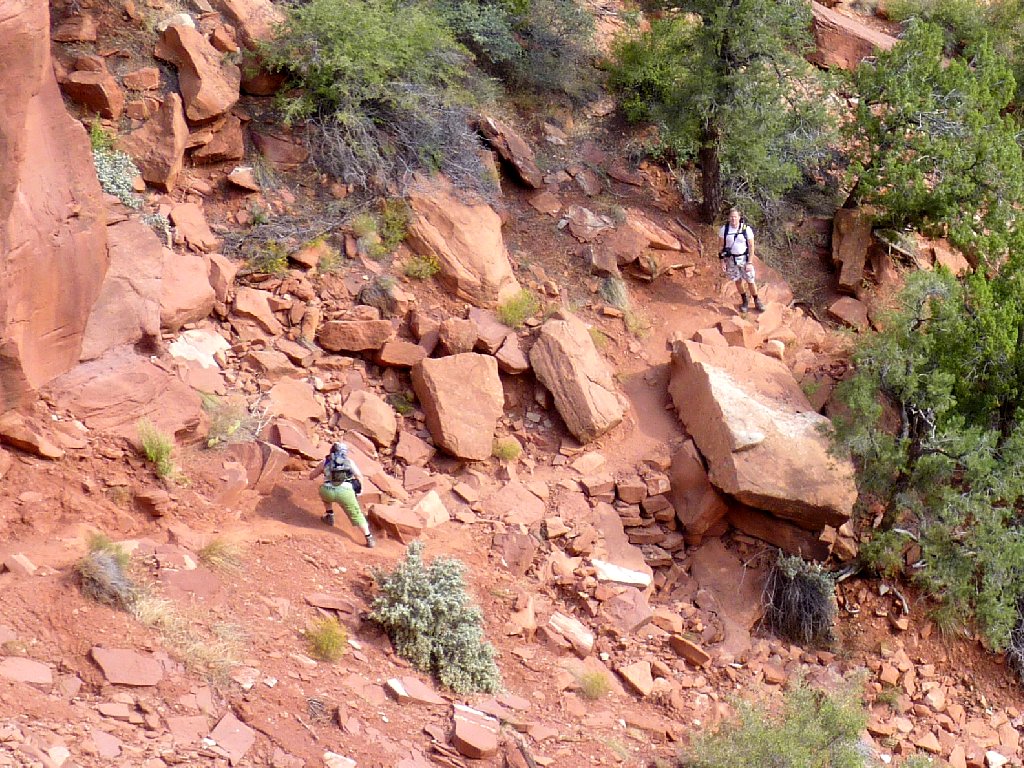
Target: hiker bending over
(736, 255)
(342, 481)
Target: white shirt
(736, 240)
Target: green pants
(344, 495)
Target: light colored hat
(339, 448)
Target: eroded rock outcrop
(842, 41)
(761, 438)
(53, 252)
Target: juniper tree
(727, 84)
(931, 143)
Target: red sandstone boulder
(462, 399)
(185, 291)
(355, 335)
(209, 85)
(513, 150)
(53, 253)
(566, 361)
(842, 41)
(851, 239)
(158, 147)
(465, 238)
(96, 91)
(226, 144)
(128, 308)
(255, 20)
(850, 312)
(762, 439)
(191, 229)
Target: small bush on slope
(432, 623)
(813, 730)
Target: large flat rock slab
(762, 439)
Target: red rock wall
(53, 253)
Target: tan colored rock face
(761, 438)
(52, 224)
(465, 238)
(569, 365)
(462, 398)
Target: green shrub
(533, 45)
(230, 420)
(402, 402)
(270, 259)
(363, 224)
(421, 267)
(614, 292)
(99, 137)
(157, 447)
(432, 623)
(394, 223)
(593, 685)
(327, 639)
(384, 85)
(1015, 648)
(636, 323)
(515, 311)
(116, 172)
(884, 553)
(814, 730)
(506, 449)
(799, 600)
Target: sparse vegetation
(327, 639)
(271, 259)
(506, 449)
(1015, 648)
(363, 224)
(884, 553)
(117, 173)
(593, 685)
(157, 447)
(433, 624)
(799, 600)
(421, 267)
(614, 292)
(394, 223)
(99, 137)
(599, 337)
(221, 554)
(402, 402)
(231, 420)
(103, 574)
(636, 323)
(815, 729)
(516, 310)
(889, 696)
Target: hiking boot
(328, 519)
(371, 542)
(744, 306)
(758, 305)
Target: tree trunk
(710, 175)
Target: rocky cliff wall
(53, 253)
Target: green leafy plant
(506, 449)
(593, 685)
(327, 639)
(99, 137)
(421, 267)
(516, 310)
(271, 258)
(364, 224)
(402, 402)
(799, 601)
(394, 223)
(157, 447)
(433, 624)
(599, 337)
(814, 730)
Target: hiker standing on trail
(342, 481)
(736, 255)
